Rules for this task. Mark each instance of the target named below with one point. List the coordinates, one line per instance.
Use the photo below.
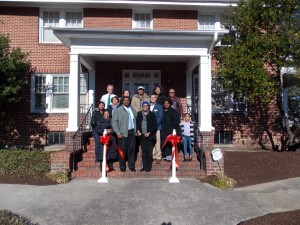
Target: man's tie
(108, 101)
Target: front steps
(88, 168)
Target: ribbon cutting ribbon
(174, 139)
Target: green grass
(223, 182)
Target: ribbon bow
(174, 139)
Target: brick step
(92, 163)
(138, 174)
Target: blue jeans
(187, 145)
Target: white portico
(90, 45)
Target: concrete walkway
(147, 201)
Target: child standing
(188, 134)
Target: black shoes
(143, 169)
(132, 169)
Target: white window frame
(62, 21)
(206, 15)
(49, 93)
(131, 80)
(135, 24)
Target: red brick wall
(19, 127)
(175, 20)
(109, 71)
(260, 126)
(107, 18)
(22, 25)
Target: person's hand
(138, 133)
(120, 136)
(108, 131)
(147, 134)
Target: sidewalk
(147, 201)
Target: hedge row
(34, 163)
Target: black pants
(127, 144)
(147, 152)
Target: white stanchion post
(103, 178)
(174, 179)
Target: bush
(59, 177)
(35, 163)
(222, 181)
(7, 217)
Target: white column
(92, 88)
(74, 93)
(189, 87)
(204, 110)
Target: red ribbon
(105, 141)
(174, 139)
(120, 152)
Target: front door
(132, 79)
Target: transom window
(50, 92)
(58, 18)
(142, 20)
(206, 22)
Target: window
(142, 20)
(55, 138)
(50, 92)
(206, 22)
(224, 101)
(58, 18)
(223, 137)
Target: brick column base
(205, 141)
(212, 167)
(61, 161)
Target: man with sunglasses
(176, 102)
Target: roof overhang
(151, 4)
(138, 45)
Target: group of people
(140, 120)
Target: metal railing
(85, 117)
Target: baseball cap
(141, 87)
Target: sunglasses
(171, 92)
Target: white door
(132, 79)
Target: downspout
(215, 39)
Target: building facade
(77, 48)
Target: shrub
(222, 181)
(35, 163)
(7, 217)
(59, 177)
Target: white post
(173, 179)
(104, 179)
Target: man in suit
(157, 109)
(124, 125)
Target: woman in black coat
(146, 127)
(105, 123)
(169, 122)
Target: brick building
(78, 47)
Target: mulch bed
(7, 179)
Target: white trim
(62, 21)
(145, 12)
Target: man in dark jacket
(146, 131)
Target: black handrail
(80, 128)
